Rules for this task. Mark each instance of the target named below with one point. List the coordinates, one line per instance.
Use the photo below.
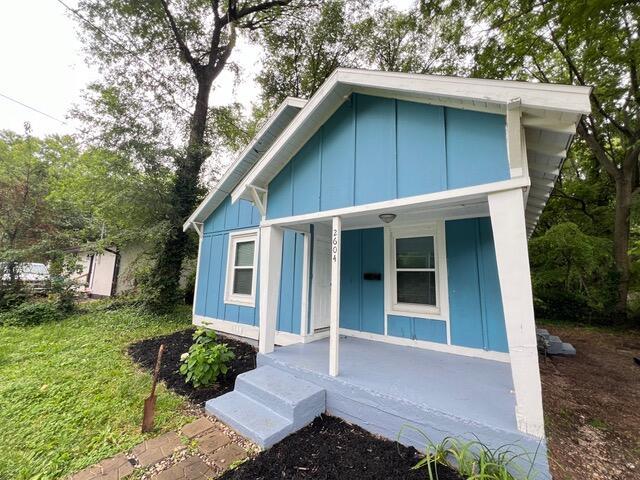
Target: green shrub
(31, 313)
(573, 274)
(206, 359)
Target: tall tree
(167, 55)
(576, 42)
(301, 52)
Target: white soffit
(260, 144)
(549, 107)
(546, 151)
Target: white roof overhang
(260, 144)
(549, 114)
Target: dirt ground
(592, 405)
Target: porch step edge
(291, 397)
(249, 418)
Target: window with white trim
(415, 274)
(240, 285)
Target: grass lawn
(70, 396)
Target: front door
(321, 283)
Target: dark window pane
(417, 287)
(415, 252)
(242, 281)
(244, 254)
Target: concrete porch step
(288, 396)
(268, 404)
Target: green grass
(70, 396)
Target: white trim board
(252, 332)
(438, 347)
(400, 205)
(284, 338)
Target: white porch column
(334, 325)
(510, 238)
(270, 266)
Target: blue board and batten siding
(212, 272)
(374, 149)
(475, 304)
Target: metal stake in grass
(150, 402)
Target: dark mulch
(144, 353)
(330, 448)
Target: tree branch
(233, 15)
(597, 149)
(583, 205)
(182, 45)
(594, 99)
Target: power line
(33, 108)
(130, 52)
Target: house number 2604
(334, 245)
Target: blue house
(373, 239)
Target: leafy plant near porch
(475, 460)
(206, 359)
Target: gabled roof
(260, 144)
(549, 114)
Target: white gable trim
(234, 173)
(556, 103)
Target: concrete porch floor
(383, 387)
(461, 386)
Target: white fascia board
(308, 115)
(534, 97)
(537, 96)
(458, 196)
(231, 177)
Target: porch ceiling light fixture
(387, 217)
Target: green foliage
(572, 273)
(303, 50)
(70, 396)
(592, 43)
(475, 460)
(31, 313)
(206, 360)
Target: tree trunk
(165, 279)
(621, 230)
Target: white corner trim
(438, 347)
(245, 331)
(234, 238)
(195, 288)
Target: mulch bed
(144, 353)
(330, 448)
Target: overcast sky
(43, 67)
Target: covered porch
(408, 393)
(502, 205)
